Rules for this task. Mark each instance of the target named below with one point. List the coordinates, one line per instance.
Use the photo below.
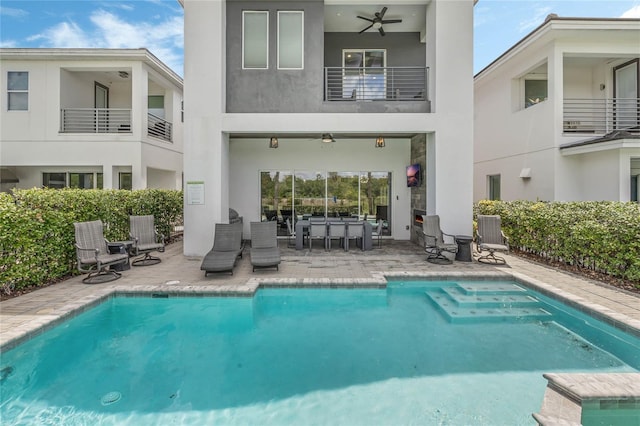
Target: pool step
(502, 302)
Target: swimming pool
(400, 355)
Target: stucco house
(557, 116)
(89, 118)
(313, 107)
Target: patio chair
(490, 238)
(337, 230)
(377, 232)
(434, 243)
(146, 240)
(291, 234)
(317, 231)
(355, 232)
(264, 245)
(93, 255)
(227, 248)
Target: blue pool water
(414, 353)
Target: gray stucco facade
(287, 91)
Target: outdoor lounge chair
(146, 240)
(264, 245)
(491, 238)
(227, 248)
(434, 243)
(93, 254)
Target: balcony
(95, 120)
(159, 128)
(601, 116)
(371, 84)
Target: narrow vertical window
(290, 40)
(125, 181)
(494, 187)
(255, 39)
(17, 91)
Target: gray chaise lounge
(227, 248)
(264, 245)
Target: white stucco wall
(580, 56)
(210, 158)
(33, 138)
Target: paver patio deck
(22, 316)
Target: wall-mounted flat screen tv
(413, 175)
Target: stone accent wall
(418, 193)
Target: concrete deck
(30, 314)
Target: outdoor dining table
(367, 241)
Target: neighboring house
(89, 118)
(557, 116)
(348, 110)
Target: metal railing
(95, 120)
(601, 116)
(159, 128)
(371, 84)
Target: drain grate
(110, 398)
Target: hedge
(601, 236)
(37, 233)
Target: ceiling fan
(377, 22)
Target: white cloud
(65, 34)
(8, 43)
(634, 12)
(164, 38)
(538, 18)
(13, 13)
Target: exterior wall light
(273, 142)
(327, 138)
(379, 142)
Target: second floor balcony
(371, 84)
(601, 116)
(111, 120)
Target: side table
(120, 247)
(464, 248)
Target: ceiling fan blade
(382, 12)
(366, 19)
(366, 29)
(381, 31)
(392, 21)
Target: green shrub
(37, 233)
(601, 236)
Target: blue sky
(157, 24)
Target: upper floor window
(535, 91)
(17, 90)
(291, 40)
(255, 39)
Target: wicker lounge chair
(93, 254)
(491, 238)
(264, 245)
(145, 240)
(434, 243)
(227, 248)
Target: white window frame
(297, 12)
(261, 12)
(9, 91)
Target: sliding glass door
(300, 194)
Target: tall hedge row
(37, 233)
(601, 236)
